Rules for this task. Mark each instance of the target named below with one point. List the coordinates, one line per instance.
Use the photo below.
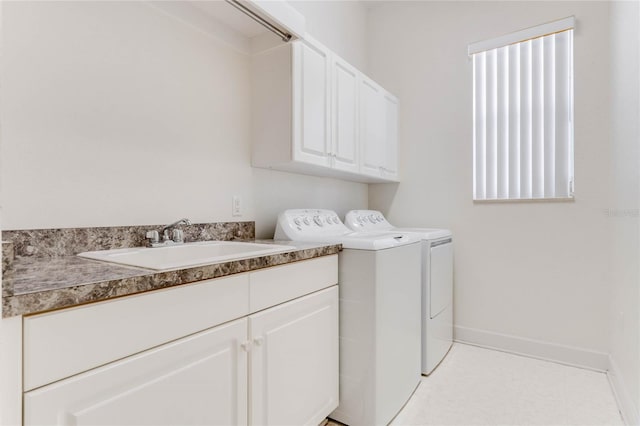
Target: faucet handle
(153, 237)
(178, 236)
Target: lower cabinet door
(197, 380)
(294, 361)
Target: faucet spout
(184, 221)
(168, 238)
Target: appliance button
(306, 221)
(297, 221)
(318, 220)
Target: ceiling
(230, 16)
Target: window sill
(526, 200)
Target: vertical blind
(523, 114)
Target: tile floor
(476, 386)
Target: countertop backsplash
(8, 255)
(46, 243)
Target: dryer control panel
(366, 220)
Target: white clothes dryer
(379, 287)
(437, 282)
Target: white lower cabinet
(276, 365)
(197, 380)
(294, 361)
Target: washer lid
(363, 240)
(427, 233)
(377, 240)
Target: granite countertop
(32, 285)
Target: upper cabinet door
(390, 164)
(345, 116)
(311, 98)
(372, 128)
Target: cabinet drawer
(64, 343)
(269, 287)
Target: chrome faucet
(176, 237)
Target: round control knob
(360, 220)
(380, 218)
(306, 221)
(336, 220)
(317, 220)
(297, 221)
(372, 218)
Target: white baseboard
(628, 409)
(569, 355)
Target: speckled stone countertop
(37, 284)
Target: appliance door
(441, 276)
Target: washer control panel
(303, 224)
(366, 220)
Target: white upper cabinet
(372, 127)
(390, 164)
(308, 108)
(345, 116)
(311, 97)
(378, 131)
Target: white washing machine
(437, 282)
(380, 340)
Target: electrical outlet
(236, 206)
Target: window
(523, 114)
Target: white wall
(338, 24)
(529, 277)
(10, 347)
(625, 206)
(118, 113)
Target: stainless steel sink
(185, 255)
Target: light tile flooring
(475, 386)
